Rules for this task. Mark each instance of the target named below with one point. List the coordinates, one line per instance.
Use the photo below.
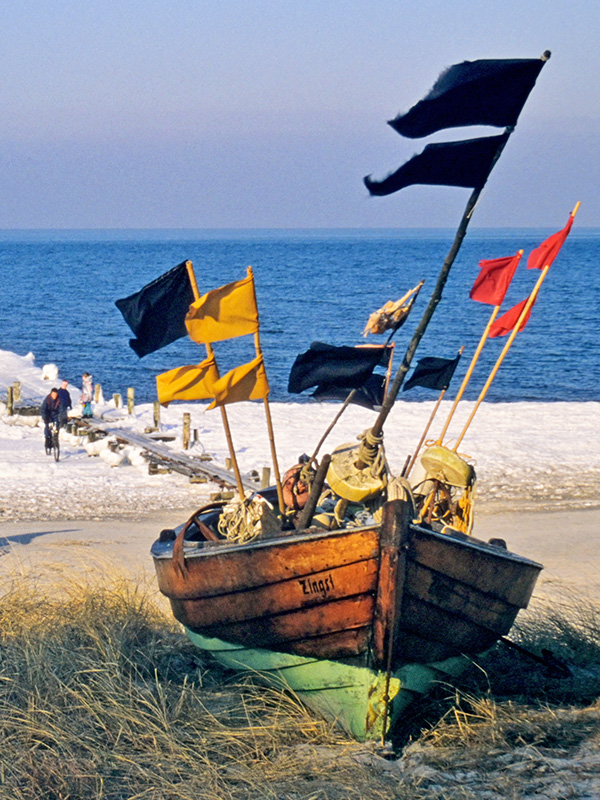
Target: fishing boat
(355, 588)
(357, 622)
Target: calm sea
(58, 290)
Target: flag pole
(365, 457)
(469, 372)
(411, 464)
(511, 338)
(332, 424)
(268, 415)
(210, 352)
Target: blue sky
(191, 114)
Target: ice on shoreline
(527, 455)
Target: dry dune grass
(102, 697)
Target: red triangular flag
(545, 254)
(494, 279)
(507, 321)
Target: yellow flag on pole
(247, 382)
(224, 313)
(194, 382)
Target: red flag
(494, 279)
(507, 321)
(545, 254)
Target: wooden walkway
(178, 462)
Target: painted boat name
(314, 586)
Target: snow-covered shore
(527, 455)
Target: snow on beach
(527, 455)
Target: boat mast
(370, 444)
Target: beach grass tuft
(102, 697)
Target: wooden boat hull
(393, 597)
(351, 696)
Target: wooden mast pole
(364, 458)
(280, 499)
(505, 349)
(227, 429)
(469, 372)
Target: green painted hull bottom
(351, 696)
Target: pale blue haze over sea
(58, 290)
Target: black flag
(433, 373)
(485, 92)
(347, 367)
(369, 395)
(156, 314)
(466, 163)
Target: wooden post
(130, 400)
(16, 391)
(156, 413)
(10, 400)
(228, 464)
(186, 430)
(265, 479)
(97, 393)
(117, 399)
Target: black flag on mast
(467, 163)
(326, 364)
(485, 92)
(156, 314)
(432, 372)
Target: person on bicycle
(50, 412)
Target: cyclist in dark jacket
(50, 412)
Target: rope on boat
(243, 520)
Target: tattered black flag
(433, 373)
(484, 92)
(156, 314)
(347, 367)
(466, 163)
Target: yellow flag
(224, 313)
(248, 382)
(188, 383)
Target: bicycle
(52, 443)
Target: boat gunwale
(207, 549)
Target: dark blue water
(58, 290)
